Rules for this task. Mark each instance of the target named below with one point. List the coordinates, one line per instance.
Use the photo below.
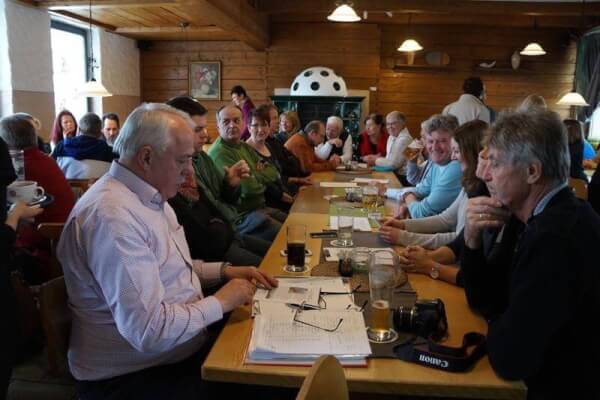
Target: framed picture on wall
(205, 80)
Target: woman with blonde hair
(289, 123)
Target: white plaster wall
(5, 76)
(120, 61)
(29, 49)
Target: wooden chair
(46, 375)
(325, 380)
(80, 186)
(56, 322)
(52, 232)
(579, 188)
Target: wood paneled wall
(364, 55)
(421, 93)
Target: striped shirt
(134, 290)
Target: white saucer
(38, 201)
(336, 243)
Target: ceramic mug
(26, 191)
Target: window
(595, 125)
(70, 66)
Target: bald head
(230, 123)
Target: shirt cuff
(214, 310)
(208, 272)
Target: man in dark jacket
(85, 156)
(541, 306)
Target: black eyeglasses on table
(299, 311)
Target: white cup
(26, 191)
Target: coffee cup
(25, 191)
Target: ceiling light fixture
(93, 88)
(343, 13)
(573, 98)
(410, 45)
(533, 48)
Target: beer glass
(383, 267)
(369, 198)
(296, 244)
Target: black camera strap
(446, 358)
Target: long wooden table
(225, 362)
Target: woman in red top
(19, 133)
(373, 140)
(64, 126)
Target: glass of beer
(296, 244)
(382, 281)
(369, 198)
(413, 149)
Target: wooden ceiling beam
(175, 33)
(455, 7)
(80, 18)
(234, 16)
(97, 4)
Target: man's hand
(481, 213)
(300, 181)
(370, 159)
(286, 198)
(237, 172)
(250, 274)
(337, 142)
(402, 212)
(409, 198)
(235, 293)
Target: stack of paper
(278, 339)
(338, 184)
(360, 223)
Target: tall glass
(18, 161)
(382, 281)
(369, 198)
(345, 227)
(296, 244)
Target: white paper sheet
(360, 224)
(369, 180)
(338, 184)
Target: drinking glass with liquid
(369, 198)
(296, 245)
(382, 281)
(345, 227)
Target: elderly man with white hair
(338, 142)
(541, 303)
(140, 317)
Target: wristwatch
(435, 271)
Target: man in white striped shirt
(134, 291)
(399, 138)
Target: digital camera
(427, 318)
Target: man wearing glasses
(399, 138)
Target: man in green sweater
(220, 186)
(228, 150)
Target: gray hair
(398, 116)
(90, 125)
(533, 102)
(527, 136)
(18, 132)
(440, 122)
(147, 125)
(313, 126)
(337, 120)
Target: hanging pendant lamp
(410, 45)
(93, 88)
(344, 13)
(533, 48)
